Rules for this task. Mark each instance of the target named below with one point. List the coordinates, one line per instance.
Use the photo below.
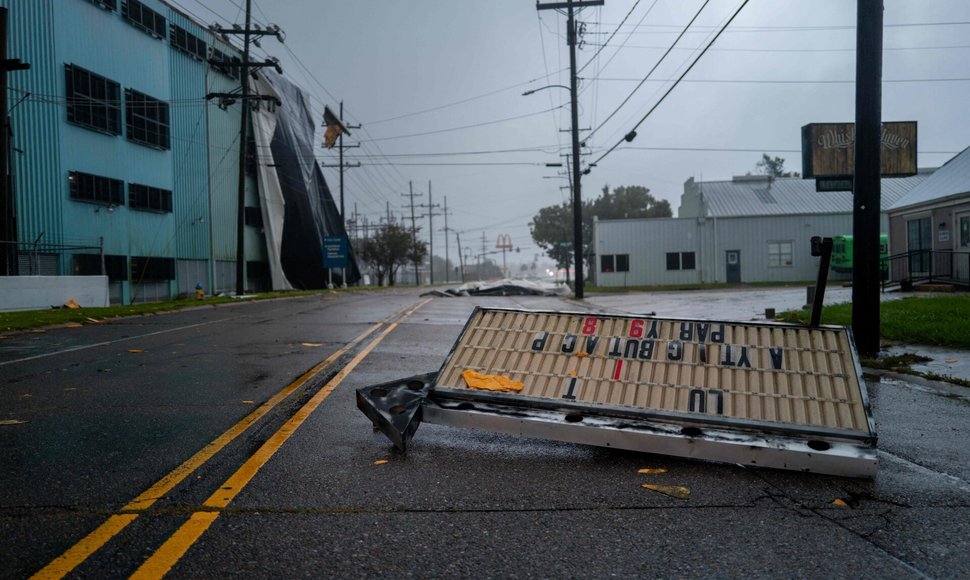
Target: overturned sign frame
(760, 393)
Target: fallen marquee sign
(760, 393)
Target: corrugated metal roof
(757, 195)
(951, 179)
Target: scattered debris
(249, 402)
(381, 462)
(653, 470)
(477, 380)
(73, 325)
(312, 344)
(506, 287)
(675, 491)
(840, 502)
(11, 422)
(72, 304)
(136, 350)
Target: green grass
(930, 320)
(22, 320)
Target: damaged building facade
(121, 167)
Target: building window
(223, 63)
(680, 260)
(615, 263)
(116, 267)
(95, 188)
(93, 101)
(146, 119)
(147, 268)
(779, 254)
(143, 17)
(254, 217)
(187, 42)
(607, 263)
(106, 4)
(149, 198)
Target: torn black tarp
(309, 213)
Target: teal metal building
(118, 161)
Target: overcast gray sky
(437, 86)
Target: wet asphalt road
(135, 398)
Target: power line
(472, 126)
(651, 71)
(602, 46)
(632, 134)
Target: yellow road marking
(175, 547)
(75, 555)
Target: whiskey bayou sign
(766, 394)
(828, 150)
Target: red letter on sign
(636, 329)
(589, 326)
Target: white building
(748, 229)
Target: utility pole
(866, 183)
(482, 255)
(247, 32)
(8, 209)
(446, 230)
(414, 231)
(571, 39)
(458, 239)
(431, 207)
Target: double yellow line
(176, 546)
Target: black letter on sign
(697, 401)
(718, 335)
(727, 360)
(615, 346)
(675, 350)
(703, 350)
(686, 331)
(571, 389)
(702, 328)
(632, 346)
(591, 342)
(646, 350)
(539, 341)
(776, 357)
(743, 360)
(720, 399)
(653, 330)
(569, 343)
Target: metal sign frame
(397, 408)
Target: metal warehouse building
(748, 229)
(121, 166)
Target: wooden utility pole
(571, 40)
(431, 207)
(247, 32)
(414, 230)
(866, 185)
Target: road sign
(335, 251)
(767, 394)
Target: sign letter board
(767, 394)
(828, 150)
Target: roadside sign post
(335, 250)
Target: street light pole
(577, 190)
(570, 6)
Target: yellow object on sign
(476, 380)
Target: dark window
(607, 263)
(223, 63)
(93, 101)
(106, 4)
(680, 260)
(187, 42)
(145, 268)
(90, 265)
(254, 217)
(87, 187)
(143, 17)
(150, 198)
(623, 262)
(146, 119)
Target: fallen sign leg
(763, 394)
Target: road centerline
(94, 541)
(178, 543)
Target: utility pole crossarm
(564, 5)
